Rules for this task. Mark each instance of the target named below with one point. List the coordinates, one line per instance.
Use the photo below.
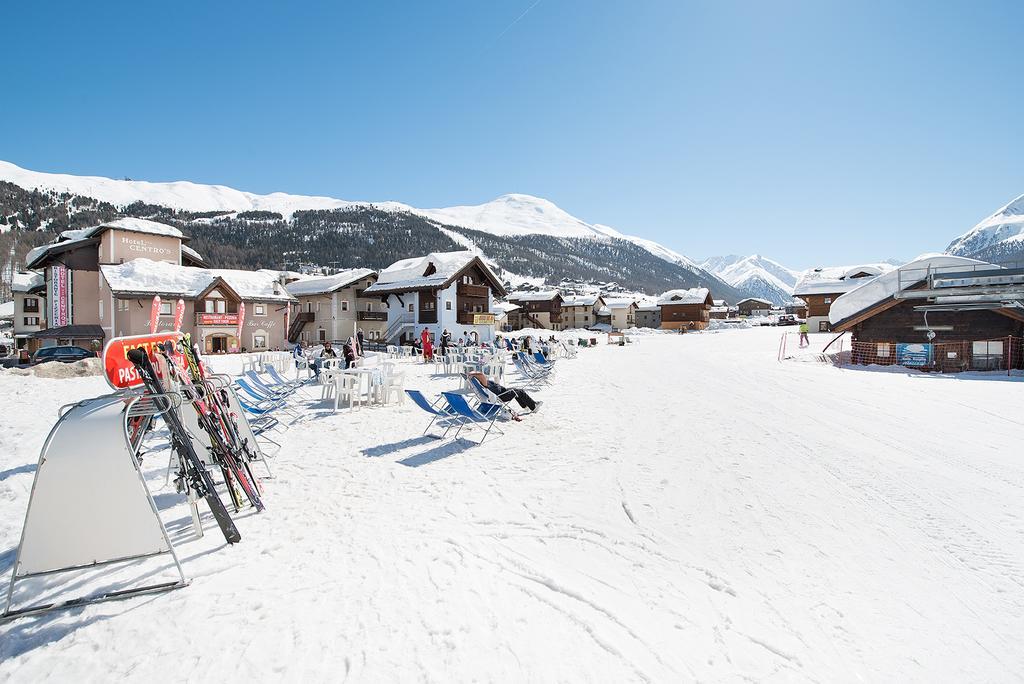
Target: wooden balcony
(305, 316)
(372, 315)
(476, 291)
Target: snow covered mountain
(999, 237)
(508, 215)
(756, 275)
(528, 236)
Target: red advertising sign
(119, 371)
(154, 314)
(179, 315)
(216, 319)
(241, 321)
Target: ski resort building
(941, 313)
(648, 316)
(336, 307)
(101, 283)
(819, 287)
(580, 311)
(453, 290)
(537, 310)
(686, 309)
(218, 302)
(752, 306)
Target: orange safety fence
(1003, 353)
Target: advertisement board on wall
(59, 295)
(483, 319)
(913, 354)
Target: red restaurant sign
(119, 371)
(216, 319)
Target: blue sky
(812, 132)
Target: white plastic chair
(346, 385)
(394, 383)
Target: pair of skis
(216, 419)
(197, 478)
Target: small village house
(685, 309)
(28, 308)
(453, 290)
(648, 316)
(753, 306)
(336, 307)
(542, 309)
(622, 313)
(580, 311)
(819, 287)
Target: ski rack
(101, 426)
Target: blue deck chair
(484, 414)
(542, 361)
(272, 372)
(533, 378)
(263, 399)
(260, 383)
(443, 414)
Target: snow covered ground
(681, 508)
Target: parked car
(62, 354)
(787, 319)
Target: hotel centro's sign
(139, 247)
(59, 295)
(216, 319)
(483, 319)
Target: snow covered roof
(37, 253)
(649, 307)
(325, 284)
(412, 274)
(580, 300)
(69, 238)
(542, 296)
(619, 303)
(26, 281)
(185, 249)
(6, 311)
(877, 290)
(604, 311)
(694, 295)
(756, 300)
(718, 302)
(137, 225)
(837, 279)
(160, 277)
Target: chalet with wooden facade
(541, 309)
(580, 311)
(453, 290)
(101, 283)
(336, 307)
(941, 313)
(685, 309)
(819, 287)
(752, 306)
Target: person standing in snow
(359, 345)
(446, 340)
(804, 340)
(428, 348)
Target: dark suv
(62, 354)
